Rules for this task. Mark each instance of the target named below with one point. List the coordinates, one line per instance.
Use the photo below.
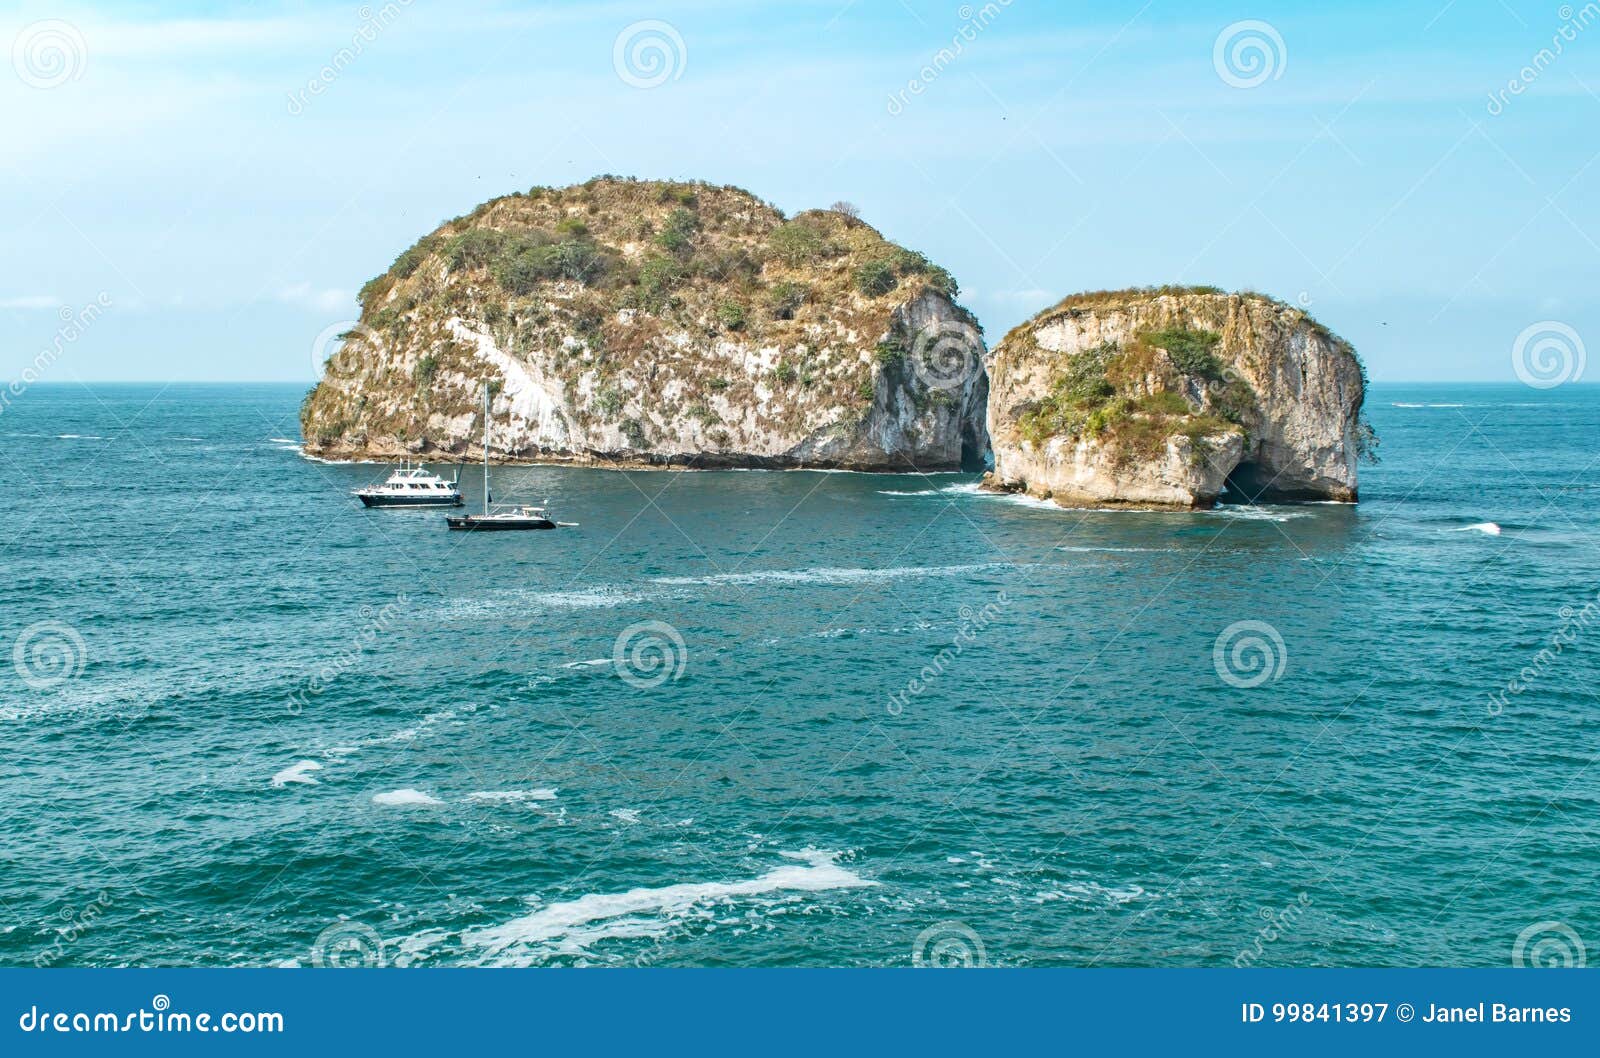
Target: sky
(195, 191)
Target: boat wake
(572, 927)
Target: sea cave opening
(1246, 483)
(975, 454)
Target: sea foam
(297, 773)
(405, 797)
(572, 925)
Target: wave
(627, 815)
(1486, 528)
(1118, 550)
(1415, 404)
(511, 796)
(407, 796)
(1254, 512)
(297, 773)
(833, 575)
(600, 598)
(572, 926)
(1093, 893)
(79, 437)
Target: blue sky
(155, 156)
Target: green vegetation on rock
(611, 287)
(1134, 399)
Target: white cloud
(30, 301)
(308, 297)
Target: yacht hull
(372, 500)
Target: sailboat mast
(486, 449)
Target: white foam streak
(831, 575)
(511, 796)
(572, 925)
(405, 797)
(297, 773)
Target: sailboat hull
(490, 523)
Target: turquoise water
(207, 619)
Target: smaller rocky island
(1169, 397)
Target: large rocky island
(1169, 397)
(631, 322)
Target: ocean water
(765, 719)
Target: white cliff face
(922, 411)
(1281, 419)
(1075, 473)
(848, 374)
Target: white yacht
(412, 486)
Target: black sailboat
(499, 518)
